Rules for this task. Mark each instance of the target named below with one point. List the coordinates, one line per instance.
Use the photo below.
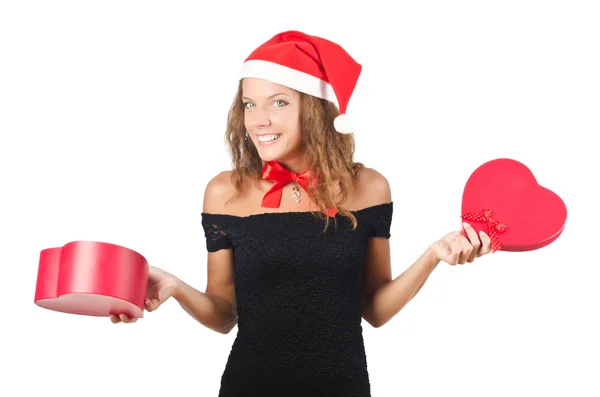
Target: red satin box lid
(503, 198)
(92, 278)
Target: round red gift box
(92, 278)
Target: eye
(247, 104)
(280, 103)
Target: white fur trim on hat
(289, 77)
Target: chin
(269, 156)
(271, 153)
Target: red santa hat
(308, 64)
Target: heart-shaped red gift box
(503, 198)
(92, 278)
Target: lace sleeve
(381, 220)
(216, 231)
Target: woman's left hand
(454, 248)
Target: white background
(112, 118)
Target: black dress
(299, 299)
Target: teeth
(267, 138)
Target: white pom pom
(343, 124)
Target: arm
(216, 307)
(385, 297)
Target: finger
(152, 304)
(473, 240)
(465, 249)
(486, 244)
(455, 249)
(115, 319)
(442, 249)
(126, 319)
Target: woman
(298, 234)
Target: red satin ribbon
(274, 171)
(493, 226)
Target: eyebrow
(271, 96)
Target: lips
(267, 139)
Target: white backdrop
(112, 119)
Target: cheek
(290, 122)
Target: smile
(268, 138)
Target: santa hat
(308, 64)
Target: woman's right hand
(161, 286)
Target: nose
(260, 118)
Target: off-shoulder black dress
(299, 299)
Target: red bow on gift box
(493, 226)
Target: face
(272, 119)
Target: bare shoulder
(371, 188)
(218, 190)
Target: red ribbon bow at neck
(493, 226)
(274, 171)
